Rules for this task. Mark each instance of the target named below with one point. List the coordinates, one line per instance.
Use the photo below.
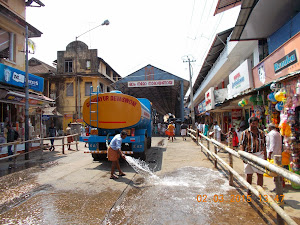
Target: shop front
(280, 71)
(12, 105)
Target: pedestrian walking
(216, 133)
(232, 138)
(273, 143)
(11, 136)
(69, 139)
(205, 128)
(183, 131)
(253, 141)
(52, 133)
(114, 152)
(170, 131)
(87, 133)
(239, 133)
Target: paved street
(71, 188)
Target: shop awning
(229, 104)
(51, 112)
(17, 97)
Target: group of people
(255, 141)
(170, 131)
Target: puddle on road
(173, 200)
(47, 207)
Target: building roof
(274, 15)
(214, 52)
(224, 5)
(38, 67)
(37, 2)
(32, 31)
(165, 99)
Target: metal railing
(41, 141)
(255, 161)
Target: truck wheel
(148, 142)
(99, 157)
(143, 154)
(96, 157)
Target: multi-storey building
(79, 68)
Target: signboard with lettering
(150, 83)
(201, 107)
(210, 99)
(16, 77)
(281, 62)
(240, 79)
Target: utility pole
(191, 92)
(26, 96)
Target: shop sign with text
(240, 79)
(16, 77)
(201, 107)
(281, 62)
(150, 83)
(210, 99)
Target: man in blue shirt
(114, 152)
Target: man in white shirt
(239, 133)
(273, 142)
(114, 152)
(217, 133)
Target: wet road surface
(76, 190)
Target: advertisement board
(210, 99)
(240, 79)
(16, 77)
(150, 83)
(281, 62)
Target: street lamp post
(77, 96)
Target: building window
(87, 88)
(107, 71)
(88, 64)
(7, 45)
(115, 76)
(101, 87)
(108, 89)
(69, 89)
(68, 66)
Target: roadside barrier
(260, 164)
(39, 140)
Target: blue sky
(141, 32)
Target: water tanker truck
(107, 114)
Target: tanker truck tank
(109, 113)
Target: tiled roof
(38, 67)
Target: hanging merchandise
(253, 100)
(271, 97)
(279, 106)
(289, 122)
(280, 96)
(243, 102)
(258, 111)
(274, 86)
